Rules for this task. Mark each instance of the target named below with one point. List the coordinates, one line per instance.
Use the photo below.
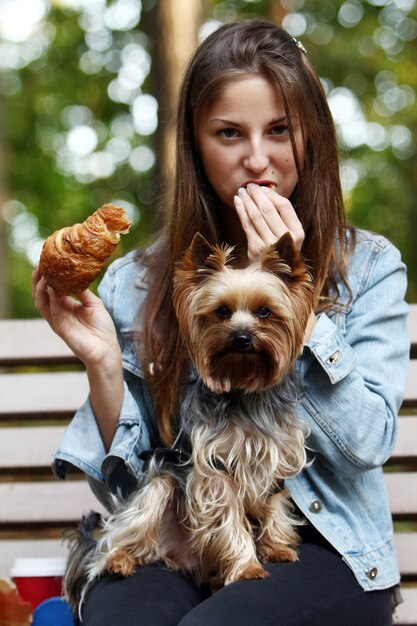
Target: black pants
(318, 590)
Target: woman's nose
(256, 160)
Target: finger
(268, 209)
(255, 244)
(254, 241)
(278, 213)
(242, 215)
(41, 299)
(88, 298)
(285, 210)
(59, 304)
(287, 214)
(63, 317)
(35, 279)
(256, 217)
(40, 294)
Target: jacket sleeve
(353, 371)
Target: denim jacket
(350, 379)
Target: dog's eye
(223, 313)
(262, 312)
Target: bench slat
(55, 502)
(405, 613)
(402, 491)
(31, 341)
(39, 393)
(36, 446)
(28, 548)
(406, 547)
(64, 392)
(406, 444)
(412, 323)
(410, 397)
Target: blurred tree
(366, 52)
(4, 292)
(79, 123)
(81, 83)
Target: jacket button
(372, 573)
(333, 358)
(316, 506)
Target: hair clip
(299, 45)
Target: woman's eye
(262, 312)
(228, 133)
(279, 130)
(223, 313)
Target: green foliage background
(372, 60)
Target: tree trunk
(277, 12)
(175, 35)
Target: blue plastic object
(53, 612)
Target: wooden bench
(42, 385)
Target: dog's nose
(242, 341)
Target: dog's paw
(249, 571)
(121, 563)
(276, 554)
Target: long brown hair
(246, 46)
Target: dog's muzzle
(241, 342)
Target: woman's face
(244, 138)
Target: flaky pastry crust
(72, 257)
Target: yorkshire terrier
(215, 507)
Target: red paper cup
(38, 578)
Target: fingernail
(242, 191)
(266, 189)
(251, 186)
(238, 200)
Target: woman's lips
(261, 183)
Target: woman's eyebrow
(279, 120)
(233, 123)
(223, 121)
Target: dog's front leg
(221, 535)
(278, 540)
(131, 536)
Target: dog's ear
(286, 250)
(199, 250)
(205, 258)
(283, 259)
(200, 261)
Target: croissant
(72, 257)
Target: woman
(256, 157)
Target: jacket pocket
(131, 342)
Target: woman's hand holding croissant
(70, 260)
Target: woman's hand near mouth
(265, 216)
